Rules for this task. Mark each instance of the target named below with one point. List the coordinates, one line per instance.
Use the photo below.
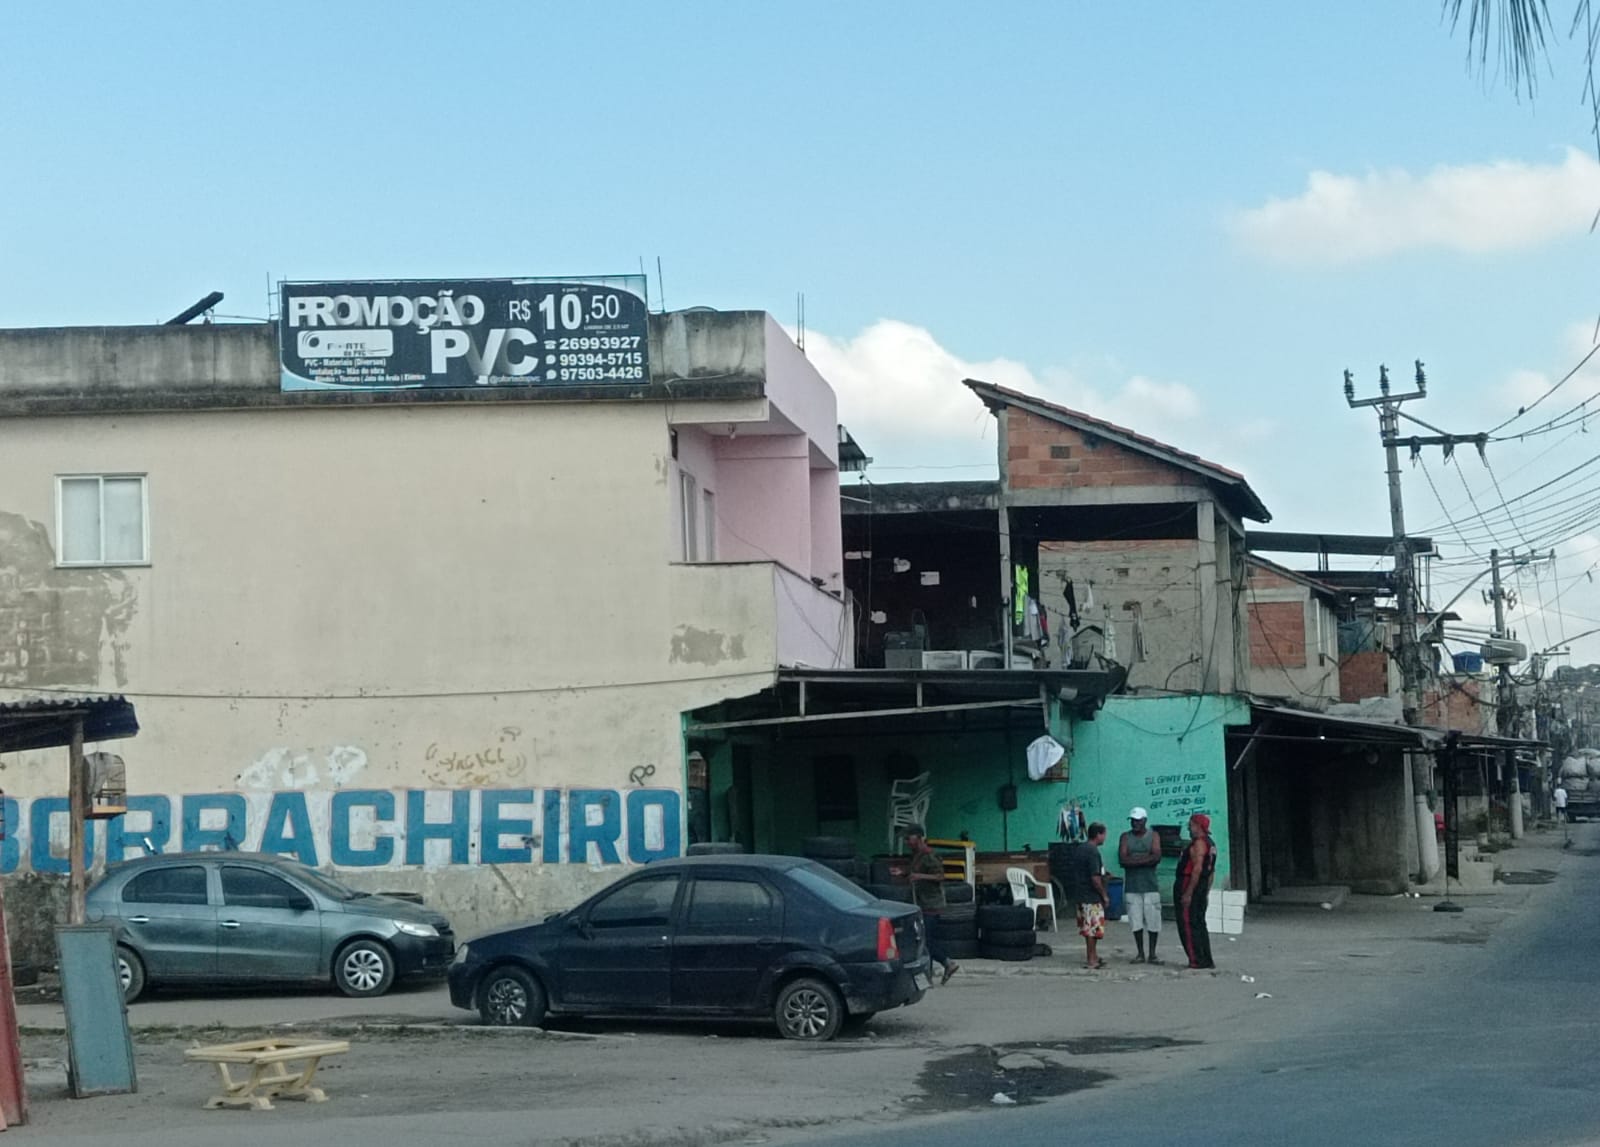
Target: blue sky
(1070, 198)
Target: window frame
(689, 511)
(100, 478)
(167, 870)
(287, 905)
(676, 878)
(774, 909)
(708, 505)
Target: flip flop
(1138, 959)
(1095, 967)
(949, 970)
(1153, 960)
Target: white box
(1234, 899)
(944, 658)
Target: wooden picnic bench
(271, 1072)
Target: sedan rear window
(184, 885)
(829, 886)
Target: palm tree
(1520, 29)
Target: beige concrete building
(437, 640)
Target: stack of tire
(956, 928)
(1006, 932)
(837, 853)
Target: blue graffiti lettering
(552, 826)
(580, 833)
(120, 838)
(381, 801)
(288, 812)
(457, 830)
(229, 837)
(39, 855)
(640, 804)
(491, 849)
(10, 835)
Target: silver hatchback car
(253, 918)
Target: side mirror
(298, 902)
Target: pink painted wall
(697, 456)
(800, 394)
(827, 542)
(764, 499)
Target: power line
(1562, 381)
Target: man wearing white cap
(1139, 850)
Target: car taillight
(888, 947)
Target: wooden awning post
(77, 812)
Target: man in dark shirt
(1192, 890)
(927, 890)
(1087, 891)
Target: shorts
(1092, 920)
(1144, 910)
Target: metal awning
(47, 722)
(824, 696)
(1285, 723)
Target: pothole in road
(973, 1077)
(1457, 938)
(1533, 876)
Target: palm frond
(1518, 29)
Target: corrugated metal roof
(30, 719)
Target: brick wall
(1263, 578)
(1459, 707)
(1278, 633)
(1042, 454)
(1363, 675)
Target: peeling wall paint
(705, 646)
(58, 627)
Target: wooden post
(13, 1091)
(77, 811)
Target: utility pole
(1406, 650)
(1505, 712)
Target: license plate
(920, 981)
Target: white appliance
(944, 658)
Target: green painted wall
(1130, 754)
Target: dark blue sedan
(706, 936)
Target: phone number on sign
(598, 342)
(602, 374)
(615, 358)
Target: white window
(711, 526)
(689, 496)
(101, 520)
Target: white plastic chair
(1027, 891)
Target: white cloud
(1523, 387)
(901, 394)
(1473, 208)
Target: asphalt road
(1499, 1049)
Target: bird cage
(108, 785)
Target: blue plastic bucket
(1114, 893)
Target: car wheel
(809, 1009)
(363, 968)
(130, 974)
(510, 997)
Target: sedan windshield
(829, 885)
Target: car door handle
(138, 919)
(656, 946)
(229, 924)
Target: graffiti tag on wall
(362, 828)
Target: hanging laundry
(1088, 599)
(1110, 652)
(1019, 594)
(1044, 625)
(1044, 753)
(1072, 604)
(1030, 620)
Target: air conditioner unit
(1503, 651)
(985, 659)
(944, 659)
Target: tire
(808, 1009)
(130, 972)
(896, 892)
(883, 871)
(716, 848)
(1001, 938)
(851, 869)
(1043, 951)
(24, 974)
(947, 931)
(1004, 917)
(958, 892)
(1010, 955)
(965, 913)
(363, 968)
(961, 949)
(509, 997)
(828, 848)
(856, 1021)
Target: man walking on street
(1560, 797)
(1139, 851)
(1088, 893)
(927, 890)
(1193, 889)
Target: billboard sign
(415, 333)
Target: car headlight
(461, 955)
(426, 931)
